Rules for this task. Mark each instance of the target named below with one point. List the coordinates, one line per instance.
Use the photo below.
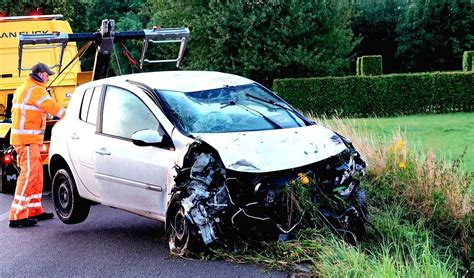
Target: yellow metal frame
(10, 30)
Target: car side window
(94, 106)
(86, 100)
(90, 104)
(124, 114)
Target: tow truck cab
(11, 77)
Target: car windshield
(230, 109)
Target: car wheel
(358, 224)
(182, 237)
(69, 206)
(360, 201)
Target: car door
(81, 139)
(130, 176)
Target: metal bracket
(165, 35)
(42, 41)
(103, 51)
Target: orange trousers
(29, 186)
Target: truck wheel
(182, 237)
(69, 206)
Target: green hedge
(358, 66)
(468, 61)
(369, 65)
(385, 95)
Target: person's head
(43, 71)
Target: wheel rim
(180, 225)
(63, 195)
(180, 234)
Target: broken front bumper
(222, 204)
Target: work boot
(43, 216)
(22, 223)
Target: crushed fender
(223, 205)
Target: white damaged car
(210, 154)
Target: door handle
(103, 151)
(74, 136)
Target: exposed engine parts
(218, 204)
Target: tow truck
(50, 40)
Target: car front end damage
(212, 204)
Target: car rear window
(90, 104)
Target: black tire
(358, 224)
(69, 206)
(182, 236)
(360, 200)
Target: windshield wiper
(234, 103)
(288, 109)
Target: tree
(263, 40)
(376, 25)
(120, 65)
(432, 35)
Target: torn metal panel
(206, 198)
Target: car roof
(181, 81)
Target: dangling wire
(117, 59)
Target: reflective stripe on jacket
(31, 103)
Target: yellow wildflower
(294, 254)
(303, 178)
(401, 165)
(398, 145)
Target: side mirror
(150, 137)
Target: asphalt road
(110, 243)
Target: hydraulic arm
(105, 39)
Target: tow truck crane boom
(105, 38)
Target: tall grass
(434, 189)
(407, 251)
(338, 259)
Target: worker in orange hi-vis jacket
(31, 104)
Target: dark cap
(40, 67)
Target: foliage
(263, 40)
(468, 61)
(107, 9)
(418, 35)
(25, 7)
(384, 95)
(369, 65)
(375, 24)
(432, 35)
(119, 63)
(433, 189)
(407, 252)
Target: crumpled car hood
(274, 150)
